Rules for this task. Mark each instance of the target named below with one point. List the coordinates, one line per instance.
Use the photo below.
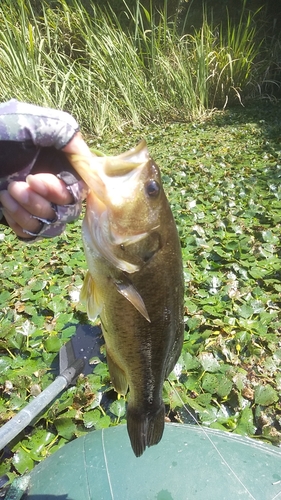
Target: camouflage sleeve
(42, 128)
(62, 213)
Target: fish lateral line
(132, 295)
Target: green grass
(222, 178)
(85, 61)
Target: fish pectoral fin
(117, 375)
(130, 293)
(145, 428)
(90, 297)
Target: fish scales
(134, 283)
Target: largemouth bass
(134, 282)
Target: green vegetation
(221, 171)
(84, 60)
(222, 177)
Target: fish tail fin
(145, 429)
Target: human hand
(23, 201)
(26, 205)
(32, 140)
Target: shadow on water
(264, 115)
(86, 343)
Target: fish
(134, 282)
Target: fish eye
(152, 188)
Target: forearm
(39, 126)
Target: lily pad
(265, 395)
(65, 427)
(118, 408)
(22, 461)
(208, 362)
(245, 425)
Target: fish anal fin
(90, 298)
(132, 295)
(145, 429)
(117, 375)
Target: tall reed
(109, 76)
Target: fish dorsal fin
(90, 298)
(130, 293)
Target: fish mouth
(89, 169)
(97, 170)
(104, 176)
(111, 183)
(104, 238)
(92, 169)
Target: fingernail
(29, 178)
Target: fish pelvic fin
(145, 429)
(132, 295)
(117, 375)
(90, 297)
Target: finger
(51, 188)
(77, 145)
(16, 215)
(18, 229)
(32, 202)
